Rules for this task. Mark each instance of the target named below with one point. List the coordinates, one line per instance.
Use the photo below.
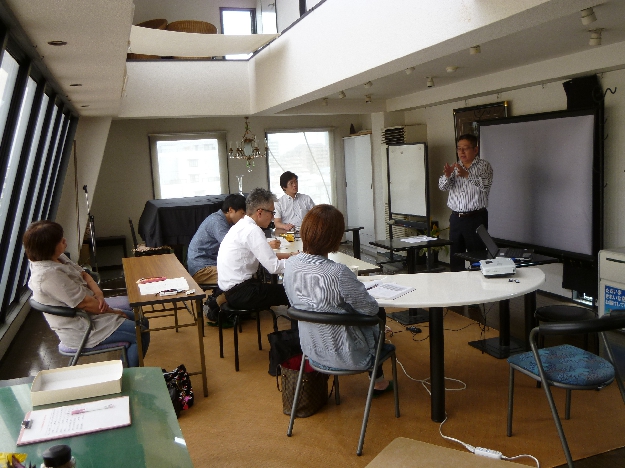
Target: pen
(83, 410)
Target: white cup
(354, 269)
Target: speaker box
(583, 93)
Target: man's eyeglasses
(462, 149)
(273, 213)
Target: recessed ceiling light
(57, 43)
(409, 70)
(451, 69)
(475, 50)
(76, 84)
(588, 16)
(429, 82)
(368, 84)
(342, 95)
(85, 105)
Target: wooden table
(438, 290)
(168, 266)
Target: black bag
(179, 386)
(284, 345)
(313, 394)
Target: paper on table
(179, 284)
(415, 239)
(389, 290)
(57, 423)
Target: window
(240, 21)
(308, 154)
(189, 165)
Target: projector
(497, 267)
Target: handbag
(284, 344)
(179, 386)
(313, 393)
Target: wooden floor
(35, 349)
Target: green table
(153, 439)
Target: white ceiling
(97, 33)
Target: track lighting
(588, 16)
(368, 84)
(595, 37)
(451, 69)
(409, 70)
(342, 95)
(429, 82)
(368, 98)
(475, 50)
(324, 102)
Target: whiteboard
(407, 179)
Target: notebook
(495, 251)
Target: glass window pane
(187, 168)
(35, 208)
(48, 171)
(56, 164)
(237, 22)
(16, 150)
(26, 194)
(307, 154)
(8, 75)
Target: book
(390, 291)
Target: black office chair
(567, 366)
(347, 320)
(76, 353)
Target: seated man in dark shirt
(202, 253)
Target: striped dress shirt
(317, 284)
(468, 194)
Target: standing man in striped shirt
(468, 182)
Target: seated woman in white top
(292, 206)
(317, 284)
(57, 281)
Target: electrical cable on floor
(484, 452)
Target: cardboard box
(77, 382)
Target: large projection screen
(542, 191)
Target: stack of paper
(390, 291)
(178, 284)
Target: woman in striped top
(315, 283)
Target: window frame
(252, 11)
(222, 150)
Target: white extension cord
(484, 452)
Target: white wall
(125, 183)
(91, 137)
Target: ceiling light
(595, 37)
(342, 95)
(247, 148)
(324, 102)
(85, 105)
(76, 84)
(451, 69)
(475, 50)
(409, 70)
(368, 84)
(368, 98)
(57, 43)
(429, 82)
(588, 16)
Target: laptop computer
(494, 251)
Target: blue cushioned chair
(567, 366)
(347, 320)
(75, 353)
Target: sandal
(389, 387)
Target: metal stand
(410, 316)
(91, 224)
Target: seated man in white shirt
(241, 251)
(292, 206)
